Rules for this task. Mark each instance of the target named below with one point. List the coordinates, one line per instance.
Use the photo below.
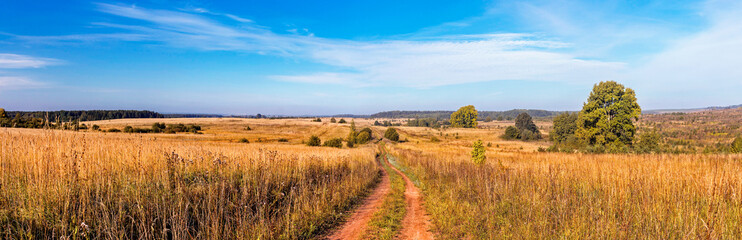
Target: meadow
(94, 184)
(130, 186)
(526, 194)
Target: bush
(332, 120)
(335, 142)
(128, 129)
(478, 152)
(314, 141)
(528, 129)
(244, 140)
(511, 133)
(349, 144)
(434, 139)
(736, 145)
(114, 130)
(391, 134)
(96, 127)
(317, 120)
(283, 140)
(342, 121)
(649, 142)
(363, 137)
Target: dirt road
(358, 221)
(416, 223)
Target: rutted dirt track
(416, 223)
(358, 221)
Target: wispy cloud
(17, 82)
(434, 61)
(11, 61)
(11, 81)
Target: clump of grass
(387, 222)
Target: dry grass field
(154, 186)
(525, 194)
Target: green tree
(607, 117)
(465, 117)
(736, 146)
(332, 120)
(478, 152)
(564, 128)
(314, 141)
(342, 121)
(524, 122)
(391, 134)
(3, 114)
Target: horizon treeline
(85, 115)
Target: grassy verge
(387, 222)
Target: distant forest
(88, 115)
(483, 115)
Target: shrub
(736, 145)
(114, 130)
(335, 142)
(528, 129)
(434, 139)
(511, 133)
(565, 125)
(349, 144)
(283, 140)
(391, 134)
(332, 120)
(244, 140)
(342, 121)
(317, 120)
(649, 142)
(478, 152)
(128, 129)
(96, 127)
(314, 141)
(363, 137)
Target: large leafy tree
(465, 117)
(607, 117)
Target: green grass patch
(387, 222)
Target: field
(94, 184)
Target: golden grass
(529, 195)
(68, 184)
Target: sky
(360, 57)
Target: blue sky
(329, 57)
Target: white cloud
(709, 59)
(15, 82)
(8, 61)
(438, 61)
(14, 61)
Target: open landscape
(370, 120)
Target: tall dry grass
(576, 196)
(122, 186)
